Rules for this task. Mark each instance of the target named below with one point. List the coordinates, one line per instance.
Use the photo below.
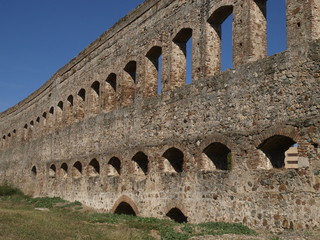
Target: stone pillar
(313, 12)
(43, 122)
(213, 49)
(51, 119)
(109, 92)
(3, 142)
(139, 81)
(179, 57)
(178, 64)
(80, 104)
(303, 21)
(151, 71)
(37, 127)
(69, 110)
(9, 141)
(196, 53)
(128, 84)
(166, 66)
(59, 115)
(94, 99)
(249, 31)
(213, 39)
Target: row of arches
(123, 207)
(78, 170)
(174, 214)
(272, 152)
(65, 112)
(105, 95)
(215, 156)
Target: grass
(20, 220)
(7, 190)
(45, 202)
(171, 230)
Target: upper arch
(287, 131)
(221, 5)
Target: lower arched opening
(176, 215)
(125, 208)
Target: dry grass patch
(58, 219)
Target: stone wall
(213, 150)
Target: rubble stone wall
(98, 132)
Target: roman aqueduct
(99, 132)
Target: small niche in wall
(114, 166)
(52, 171)
(64, 169)
(77, 170)
(34, 171)
(93, 168)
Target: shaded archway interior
(275, 147)
(142, 161)
(219, 154)
(176, 215)
(175, 158)
(116, 164)
(125, 208)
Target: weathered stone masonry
(213, 150)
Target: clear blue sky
(37, 37)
